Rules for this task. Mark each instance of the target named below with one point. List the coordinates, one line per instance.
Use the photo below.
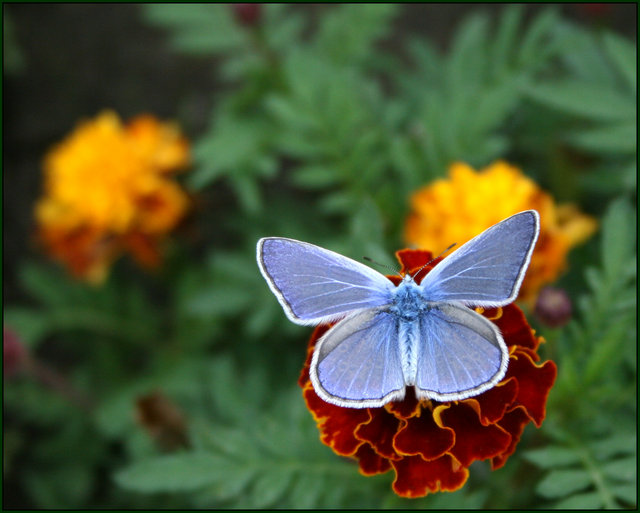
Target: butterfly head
(408, 299)
(407, 278)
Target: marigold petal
(379, 432)
(160, 209)
(337, 425)
(492, 404)
(412, 259)
(159, 143)
(514, 423)
(416, 477)
(315, 336)
(534, 383)
(575, 226)
(473, 441)
(85, 251)
(515, 329)
(422, 436)
(145, 249)
(408, 407)
(370, 461)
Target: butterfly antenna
(436, 258)
(392, 269)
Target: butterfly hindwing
(461, 354)
(356, 363)
(489, 269)
(315, 285)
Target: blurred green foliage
(320, 133)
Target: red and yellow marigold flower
(108, 190)
(428, 444)
(457, 208)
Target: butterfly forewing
(489, 269)
(356, 363)
(461, 354)
(315, 285)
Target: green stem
(596, 476)
(598, 480)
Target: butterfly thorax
(408, 301)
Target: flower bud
(595, 11)
(553, 307)
(13, 352)
(163, 420)
(247, 14)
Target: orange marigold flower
(107, 191)
(468, 201)
(428, 444)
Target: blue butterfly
(390, 337)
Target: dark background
(78, 59)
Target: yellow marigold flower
(159, 143)
(107, 190)
(468, 201)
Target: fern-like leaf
(461, 107)
(591, 465)
(254, 457)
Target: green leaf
(185, 472)
(237, 481)
(590, 500)
(614, 138)
(505, 39)
(582, 54)
(429, 66)
(467, 57)
(271, 486)
(314, 176)
(535, 47)
(305, 492)
(230, 442)
(284, 27)
(234, 147)
(14, 60)
(288, 113)
(197, 28)
(68, 486)
(627, 493)
(553, 456)
(560, 483)
(491, 108)
(31, 325)
(618, 236)
(579, 98)
(607, 182)
(44, 283)
(218, 301)
(621, 470)
(624, 55)
(615, 445)
(347, 32)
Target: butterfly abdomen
(408, 333)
